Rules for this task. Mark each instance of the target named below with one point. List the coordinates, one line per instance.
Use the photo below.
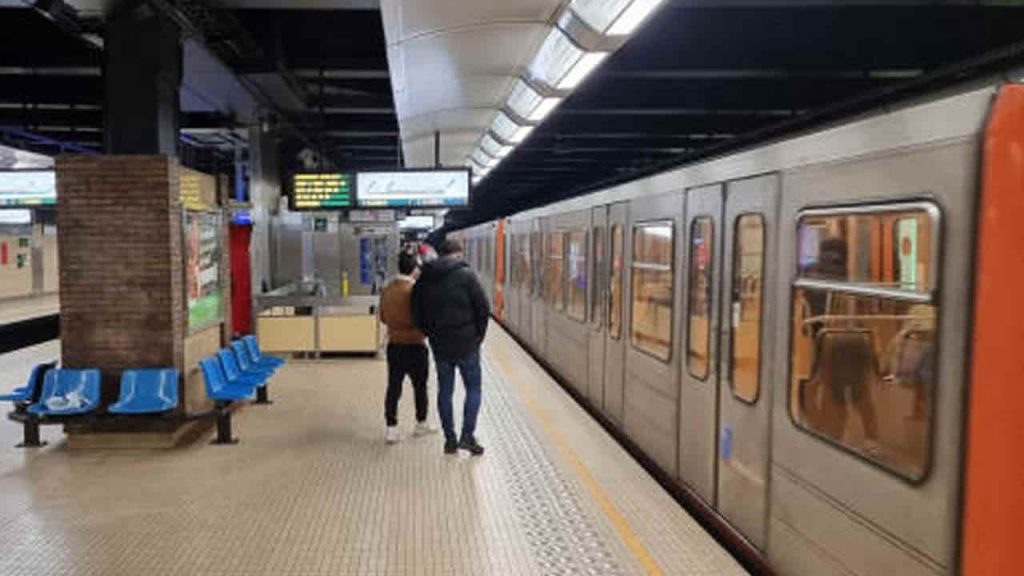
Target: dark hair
(407, 263)
(448, 247)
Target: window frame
(670, 268)
(568, 280)
(616, 337)
(557, 306)
(933, 297)
(732, 301)
(596, 296)
(710, 292)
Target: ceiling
(367, 83)
(453, 64)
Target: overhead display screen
(28, 188)
(326, 191)
(413, 189)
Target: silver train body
(636, 296)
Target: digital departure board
(413, 189)
(326, 191)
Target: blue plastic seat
(259, 357)
(246, 363)
(234, 373)
(148, 391)
(25, 393)
(218, 388)
(61, 385)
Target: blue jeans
(469, 367)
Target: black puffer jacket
(449, 306)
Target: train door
(615, 346)
(744, 397)
(651, 411)
(598, 308)
(698, 395)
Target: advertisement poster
(202, 268)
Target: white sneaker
(391, 435)
(423, 428)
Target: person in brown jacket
(407, 349)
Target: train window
(597, 310)
(555, 271)
(863, 354)
(652, 287)
(747, 290)
(702, 251)
(615, 284)
(577, 289)
(536, 245)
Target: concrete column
(142, 76)
(265, 191)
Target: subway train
(816, 340)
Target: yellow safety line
(596, 492)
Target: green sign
(203, 234)
(204, 311)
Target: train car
(815, 339)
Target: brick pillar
(121, 278)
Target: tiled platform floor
(312, 489)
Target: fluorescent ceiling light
(508, 130)
(494, 148)
(614, 17)
(583, 67)
(633, 17)
(479, 158)
(524, 100)
(545, 108)
(556, 57)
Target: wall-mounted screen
(324, 191)
(413, 189)
(28, 188)
(417, 223)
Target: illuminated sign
(412, 189)
(417, 223)
(28, 188)
(322, 191)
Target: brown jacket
(396, 312)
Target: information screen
(328, 191)
(413, 189)
(28, 188)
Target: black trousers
(411, 359)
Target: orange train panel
(994, 498)
(499, 271)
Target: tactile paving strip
(557, 527)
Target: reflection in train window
(863, 355)
(615, 284)
(555, 271)
(747, 288)
(525, 266)
(597, 311)
(888, 249)
(577, 264)
(698, 343)
(536, 287)
(650, 327)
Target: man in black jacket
(449, 306)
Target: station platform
(29, 308)
(312, 488)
